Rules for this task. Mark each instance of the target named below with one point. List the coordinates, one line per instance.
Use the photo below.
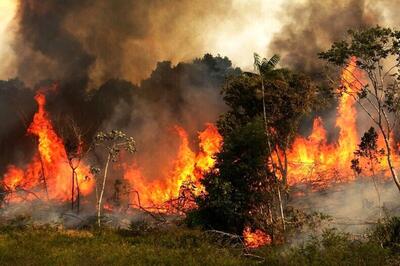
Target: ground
(46, 246)
(178, 246)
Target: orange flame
(48, 172)
(313, 159)
(255, 239)
(188, 167)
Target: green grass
(54, 247)
(179, 246)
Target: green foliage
(242, 190)
(375, 84)
(288, 97)
(375, 50)
(368, 149)
(369, 45)
(265, 66)
(47, 246)
(331, 248)
(237, 185)
(139, 227)
(177, 246)
(335, 248)
(387, 233)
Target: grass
(46, 246)
(178, 246)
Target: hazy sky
(7, 12)
(246, 29)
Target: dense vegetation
(247, 187)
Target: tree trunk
(389, 159)
(377, 192)
(271, 151)
(102, 190)
(78, 194)
(73, 189)
(44, 177)
(281, 209)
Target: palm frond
(257, 62)
(274, 60)
(269, 65)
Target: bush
(387, 233)
(331, 248)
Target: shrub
(387, 233)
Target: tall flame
(313, 159)
(48, 174)
(188, 167)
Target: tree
(113, 142)
(286, 98)
(368, 150)
(237, 186)
(75, 149)
(376, 55)
(265, 109)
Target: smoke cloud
(92, 41)
(311, 26)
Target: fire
(313, 159)
(210, 144)
(48, 175)
(255, 239)
(188, 168)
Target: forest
(110, 154)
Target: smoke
(92, 41)
(94, 50)
(354, 206)
(16, 109)
(312, 26)
(187, 95)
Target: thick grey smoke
(95, 40)
(311, 26)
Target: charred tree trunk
(44, 177)
(73, 189)
(78, 194)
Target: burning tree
(113, 142)
(76, 150)
(375, 52)
(244, 186)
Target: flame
(187, 167)
(48, 174)
(210, 144)
(313, 159)
(255, 239)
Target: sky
(247, 28)
(7, 12)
